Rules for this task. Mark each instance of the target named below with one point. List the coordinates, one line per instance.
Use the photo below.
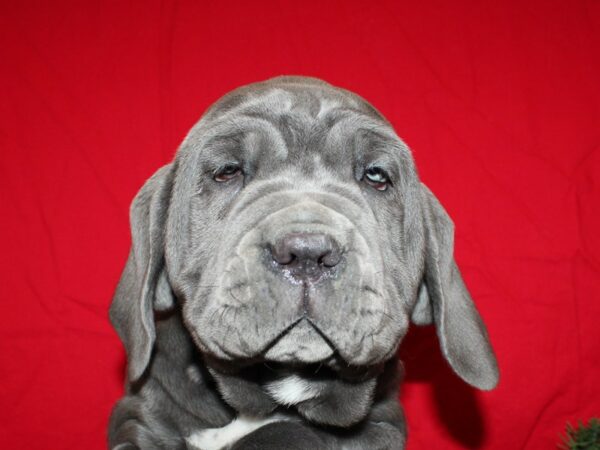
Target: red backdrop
(500, 102)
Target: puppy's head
(292, 227)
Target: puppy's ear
(143, 286)
(444, 300)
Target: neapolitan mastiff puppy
(276, 264)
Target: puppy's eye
(377, 177)
(227, 172)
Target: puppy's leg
(224, 437)
(299, 436)
(282, 435)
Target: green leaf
(582, 437)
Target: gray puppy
(275, 267)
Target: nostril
(316, 250)
(281, 254)
(331, 259)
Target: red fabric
(500, 102)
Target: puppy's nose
(307, 255)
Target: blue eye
(377, 177)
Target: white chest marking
(217, 438)
(292, 390)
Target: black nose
(307, 255)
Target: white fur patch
(292, 390)
(218, 438)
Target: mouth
(267, 368)
(302, 342)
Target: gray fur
(208, 319)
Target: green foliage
(582, 437)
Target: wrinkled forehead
(292, 95)
(292, 116)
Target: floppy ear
(444, 299)
(143, 286)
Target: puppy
(275, 267)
